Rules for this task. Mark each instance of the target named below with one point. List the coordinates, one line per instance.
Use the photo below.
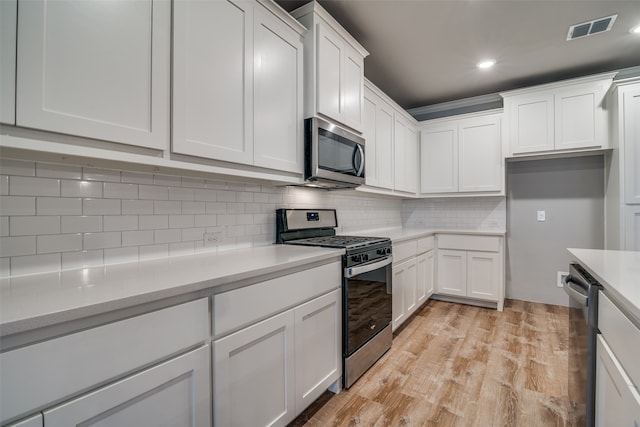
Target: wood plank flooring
(459, 365)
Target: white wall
(56, 217)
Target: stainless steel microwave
(333, 157)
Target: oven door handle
(354, 271)
(574, 293)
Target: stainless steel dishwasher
(583, 329)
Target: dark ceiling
(423, 52)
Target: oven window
(368, 307)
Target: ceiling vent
(596, 26)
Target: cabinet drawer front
(49, 371)
(405, 250)
(247, 305)
(469, 243)
(622, 336)
(425, 244)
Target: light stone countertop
(34, 301)
(39, 300)
(399, 234)
(618, 272)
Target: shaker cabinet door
(318, 347)
(579, 120)
(253, 374)
(277, 94)
(483, 275)
(439, 159)
(532, 124)
(452, 272)
(174, 393)
(212, 87)
(329, 72)
(96, 69)
(480, 154)
(8, 28)
(631, 131)
(352, 88)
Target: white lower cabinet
(74, 368)
(424, 270)
(267, 373)
(617, 399)
(452, 272)
(318, 347)
(253, 374)
(413, 275)
(404, 291)
(483, 275)
(471, 267)
(174, 393)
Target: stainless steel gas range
(366, 284)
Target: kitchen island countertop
(618, 272)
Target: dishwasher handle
(573, 289)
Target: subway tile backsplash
(56, 217)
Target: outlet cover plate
(561, 276)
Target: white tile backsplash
(59, 243)
(80, 188)
(80, 224)
(34, 225)
(17, 167)
(101, 207)
(58, 206)
(113, 190)
(47, 170)
(16, 246)
(104, 216)
(4, 185)
(472, 213)
(17, 205)
(30, 186)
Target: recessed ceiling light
(636, 29)
(487, 63)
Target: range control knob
(365, 257)
(388, 250)
(355, 258)
(381, 251)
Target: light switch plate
(541, 215)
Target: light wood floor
(458, 365)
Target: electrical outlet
(211, 239)
(561, 276)
(541, 215)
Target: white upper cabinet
(334, 68)
(378, 120)
(212, 71)
(631, 142)
(480, 154)
(562, 116)
(439, 159)
(96, 69)
(237, 84)
(277, 94)
(8, 20)
(462, 155)
(531, 123)
(405, 155)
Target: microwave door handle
(358, 169)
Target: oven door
(367, 302)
